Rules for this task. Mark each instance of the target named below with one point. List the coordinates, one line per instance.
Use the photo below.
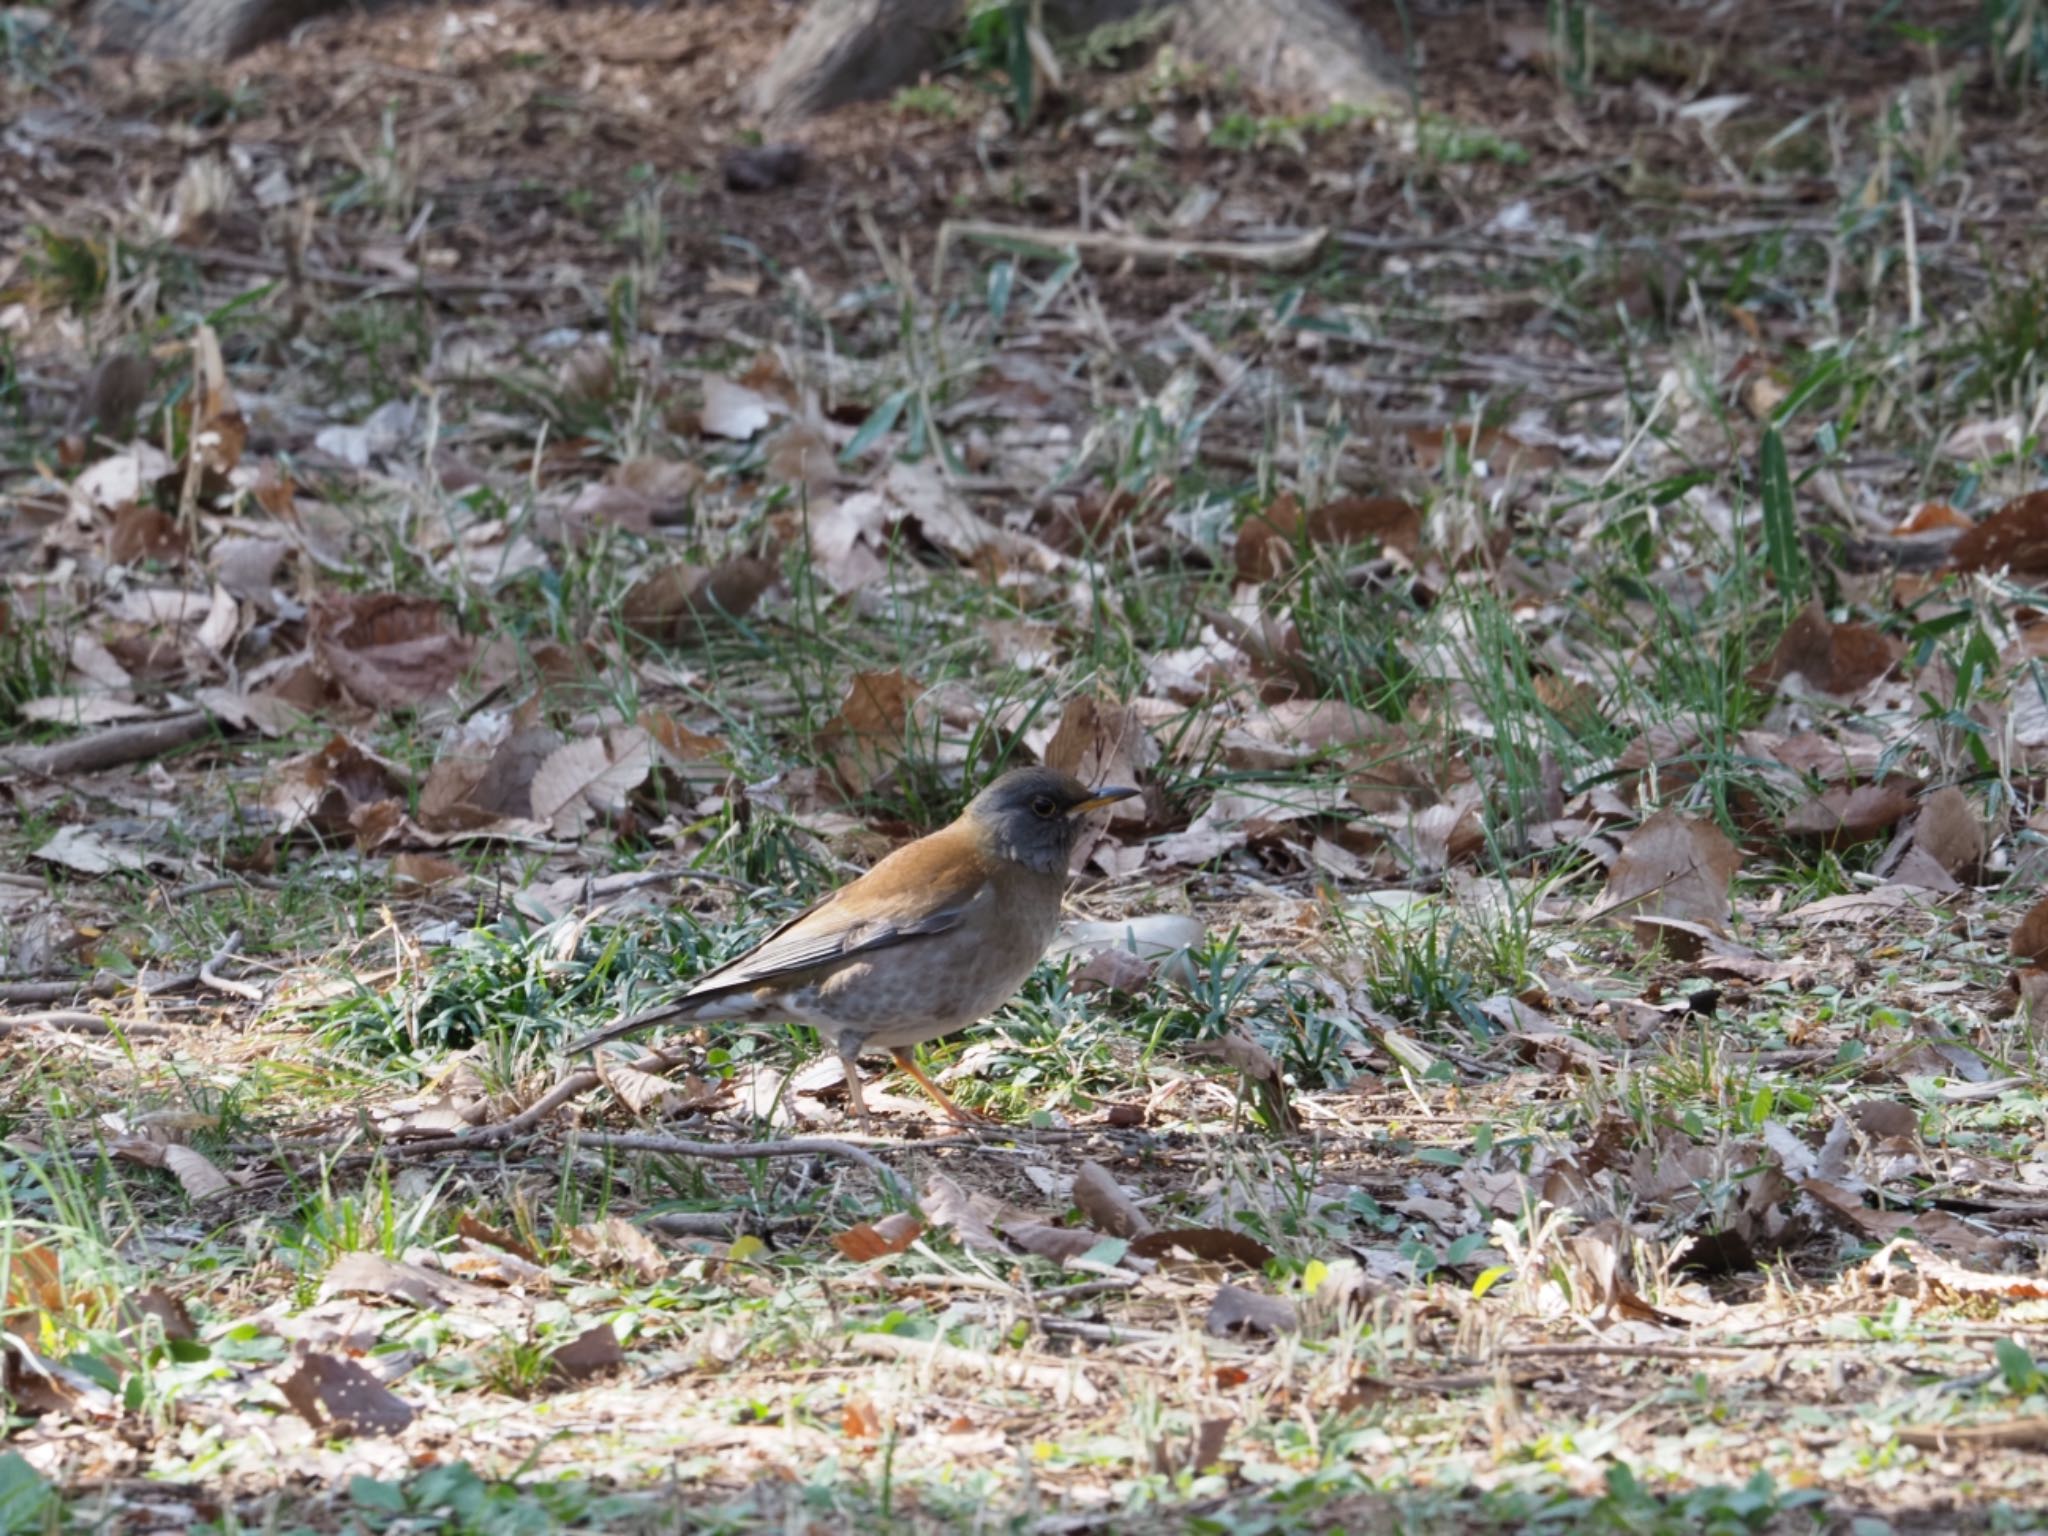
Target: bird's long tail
(676, 1010)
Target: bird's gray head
(1034, 815)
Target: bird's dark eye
(1042, 805)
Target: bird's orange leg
(961, 1116)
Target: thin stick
(1644, 1351)
(78, 1022)
(207, 977)
(747, 1151)
(1271, 255)
(112, 747)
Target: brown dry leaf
(1872, 906)
(677, 742)
(1843, 815)
(674, 604)
(590, 778)
(637, 1090)
(1237, 1313)
(386, 650)
(1207, 1245)
(327, 790)
(424, 869)
(2013, 538)
(867, 738)
(593, 1352)
(478, 1231)
(361, 1273)
(1951, 1277)
(464, 794)
(969, 1217)
(1950, 832)
(1105, 1203)
(1113, 970)
(615, 1243)
(143, 533)
(877, 1239)
(1674, 866)
(1261, 1070)
(196, 1172)
(2030, 938)
(339, 1397)
(34, 1288)
(1103, 744)
(1839, 659)
(1598, 1259)
(1932, 1227)
(1043, 1240)
(859, 1420)
(171, 1316)
(1267, 541)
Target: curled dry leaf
(1267, 542)
(2030, 938)
(673, 605)
(1674, 866)
(1936, 1228)
(2013, 538)
(1237, 1313)
(1208, 1245)
(871, 1240)
(386, 650)
(869, 735)
(464, 793)
(475, 1230)
(1261, 1072)
(615, 1243)
(424, 869)
(362, 1273)
(339, 1397)
(1950, 832)
(1842, 815)
(88, 853)
(196, 1172)
(332, 789)
(1838, 659)
(593, 1352)
(968, 1217)
(1106, 1205)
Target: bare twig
(112, 747)
(1270, 256)
(1041, 1375)
(208, 976)
(747, 1151)
(78, 1022)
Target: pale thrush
(937, 935)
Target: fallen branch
(1267, 255)
(208, 977)
(1007, 1369)
(112, 747)
(78, 1022)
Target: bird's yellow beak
(1100, 798)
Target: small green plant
(73, 270)
(2016, 38)
(931, 98)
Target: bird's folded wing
(918, 898)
